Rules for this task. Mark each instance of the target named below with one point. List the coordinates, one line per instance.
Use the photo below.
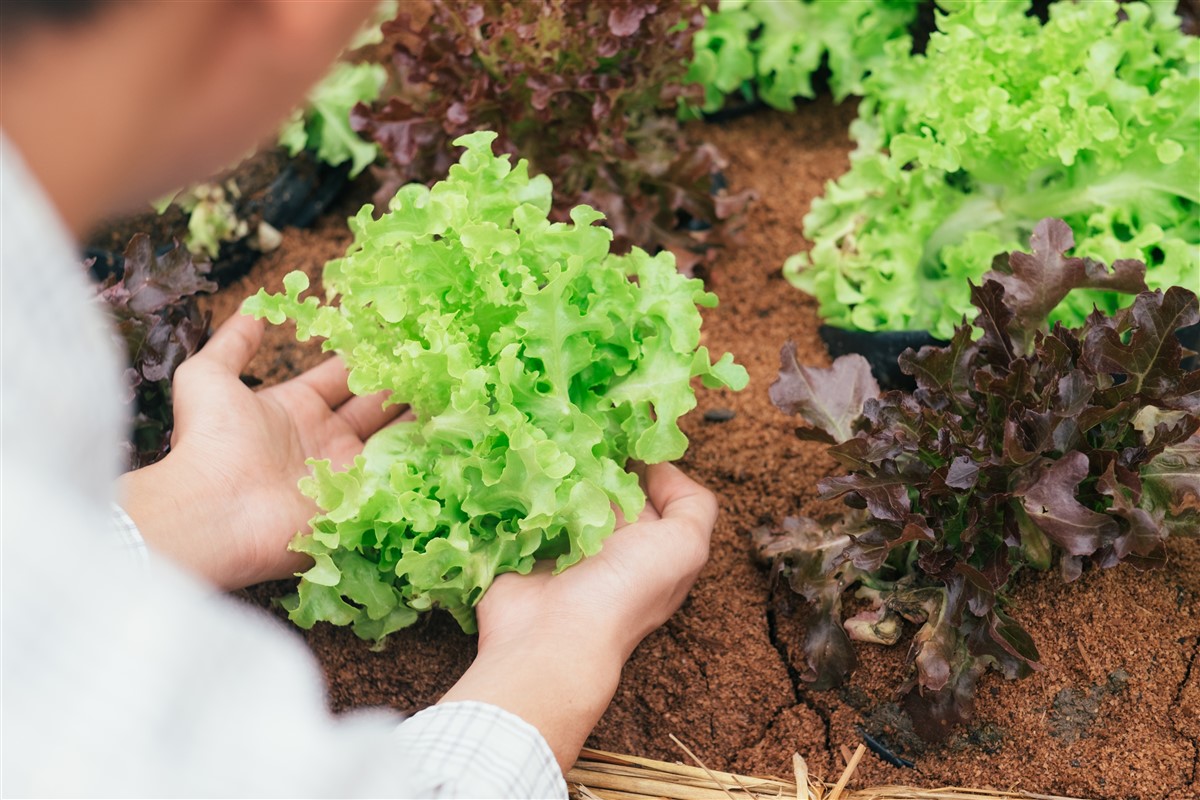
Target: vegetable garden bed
(1113, 713)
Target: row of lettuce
(541, 351)
(1001, 118)
(1042, 434)
(538, 363)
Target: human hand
(632, 586)
(224, 502)
(551, 647)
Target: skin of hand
(223, 503)
(560, 641)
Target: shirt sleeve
(136, 680)
(491, 752)
(482, 749)
(128, 535)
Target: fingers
(677, 497)
(328, 379)
(366, 415)
(648, 513)
(234, 344)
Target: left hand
(224, 502)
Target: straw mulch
(599, 775)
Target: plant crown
(536, 365)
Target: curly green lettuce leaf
(323, 125)
(536, 363)
(772, 48)
(1091, 117)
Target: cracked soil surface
(722, 674)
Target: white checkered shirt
(125, 677)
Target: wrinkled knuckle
(699, 551)
(707, 501)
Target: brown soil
(252, 176)
(1114, 713)
(270, 187)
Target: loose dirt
(1114, 712)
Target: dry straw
(599, 775)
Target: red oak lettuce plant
(1021, 446)
(586, 92)
(158, 325)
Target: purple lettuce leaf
(1171, 488)
(1036, 282)
(1139, 344)
(830, 400)
(157, 324)
(1052, 503)
(1022, 445)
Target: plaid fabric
(488, 751)
(128, 534)
(491, 752)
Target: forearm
(559, 685)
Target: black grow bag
(882, 349)
(1189, 337)
(301, 191)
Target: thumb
(234, 343)
(678, 497)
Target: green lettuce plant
(536, 364)
(771, 48)
(323, 124)
(1093, 117)
(212, 217)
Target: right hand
(551, 647)
(632, 586)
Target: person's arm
(224, 504)
(133, 680)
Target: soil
(271, 187)
(1113, 713)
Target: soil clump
(1113, 713)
